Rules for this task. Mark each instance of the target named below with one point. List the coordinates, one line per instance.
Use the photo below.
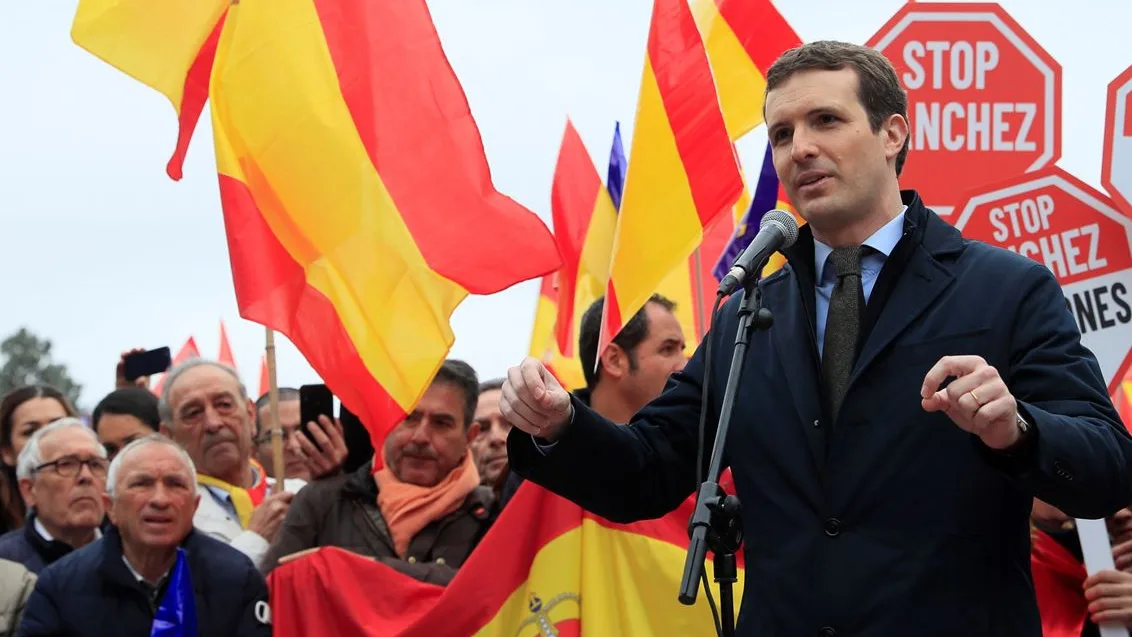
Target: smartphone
(314, 401)
(155, 361)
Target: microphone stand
(715, 524)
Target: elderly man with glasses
(62, 474)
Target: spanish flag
(743, 39)
(584, 220)
(567, 369)
(352, 177)
(546, 568)
(682, 167)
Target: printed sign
(1116, 168)
(1078, 233)
(984, 99)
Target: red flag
(187, 351)
(264, 377)
(225, 348)
(1058, 580)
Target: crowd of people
(101, 521)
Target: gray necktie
(842, 326)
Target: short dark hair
(461, 376)
(138, 402)
(285, 393)
(878, 88)
(629, 338)
(491, 385)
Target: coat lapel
(923, 279)
(795, 344)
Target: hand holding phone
(140, 364)
(314, 401)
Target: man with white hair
(62, 474)
(116, 585)
(206, 409)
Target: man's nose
(802, 145)
(212, 420)
(420, 433)
(292, 443)
(497, 435)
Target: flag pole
(278, 466)
(698, 282)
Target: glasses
(70, 466)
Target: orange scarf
(408, 508)
(244, 500)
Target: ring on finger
(978, 402)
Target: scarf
(409, 508)
(245, 500)
(1058, 580)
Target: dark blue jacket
(894, 521)
(26, 546)
(92, 593)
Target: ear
(8, 456)
(473, 431)
(196, 503)
(895, 130)
(27, 493)
(165, 430)
(106, 506)
(614, 361)
(251, 418)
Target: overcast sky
(102, 252)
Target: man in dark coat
(114, 586)
(914, 393)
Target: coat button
(826, 631)
(832, 527)
(817, 423)
(440, 561)
(411, 560)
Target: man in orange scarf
(424, 510)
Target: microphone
(778, 230)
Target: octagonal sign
(984, 99)
(1116, 167)
(1077, 232)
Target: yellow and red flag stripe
(743, 38)
(168, 46)
(682, 167)
(584, 222)
(353, 181)
(544, 346)
(545, 564)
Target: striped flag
(544, 345)
(743, 38)
(353, 179)
(168, 46)
(682, 171)
(546, 568)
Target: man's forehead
(66, 441)
(809, 90)
(154, 458)
(203, 381)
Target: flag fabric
(225, 356)
(1058, 580)
(769, 195)
(264, 377)
(353, 181)
(743, 38)
(682, 172)
(176, 615)
(546, 568)
(168, 46)
(544, 345)
(584, 221)
(618, 164)
(187, 351)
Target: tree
(27, 361)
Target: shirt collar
(141, 578)
(883, 241)
(46, 535)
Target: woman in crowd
(22, 412)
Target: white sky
(100, 251)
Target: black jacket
(92, 593)
(894, 521)
(26, 546)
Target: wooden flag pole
(278, 466)
(698, 282)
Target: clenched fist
(534, 401)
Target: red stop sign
(1116, 166)
(984, 99)
(1056, 219)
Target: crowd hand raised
(268, 517)
(328, 457)
(978, 400)
(1120, 534)
(1109, 595)
(120, 381)
(534, 402)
